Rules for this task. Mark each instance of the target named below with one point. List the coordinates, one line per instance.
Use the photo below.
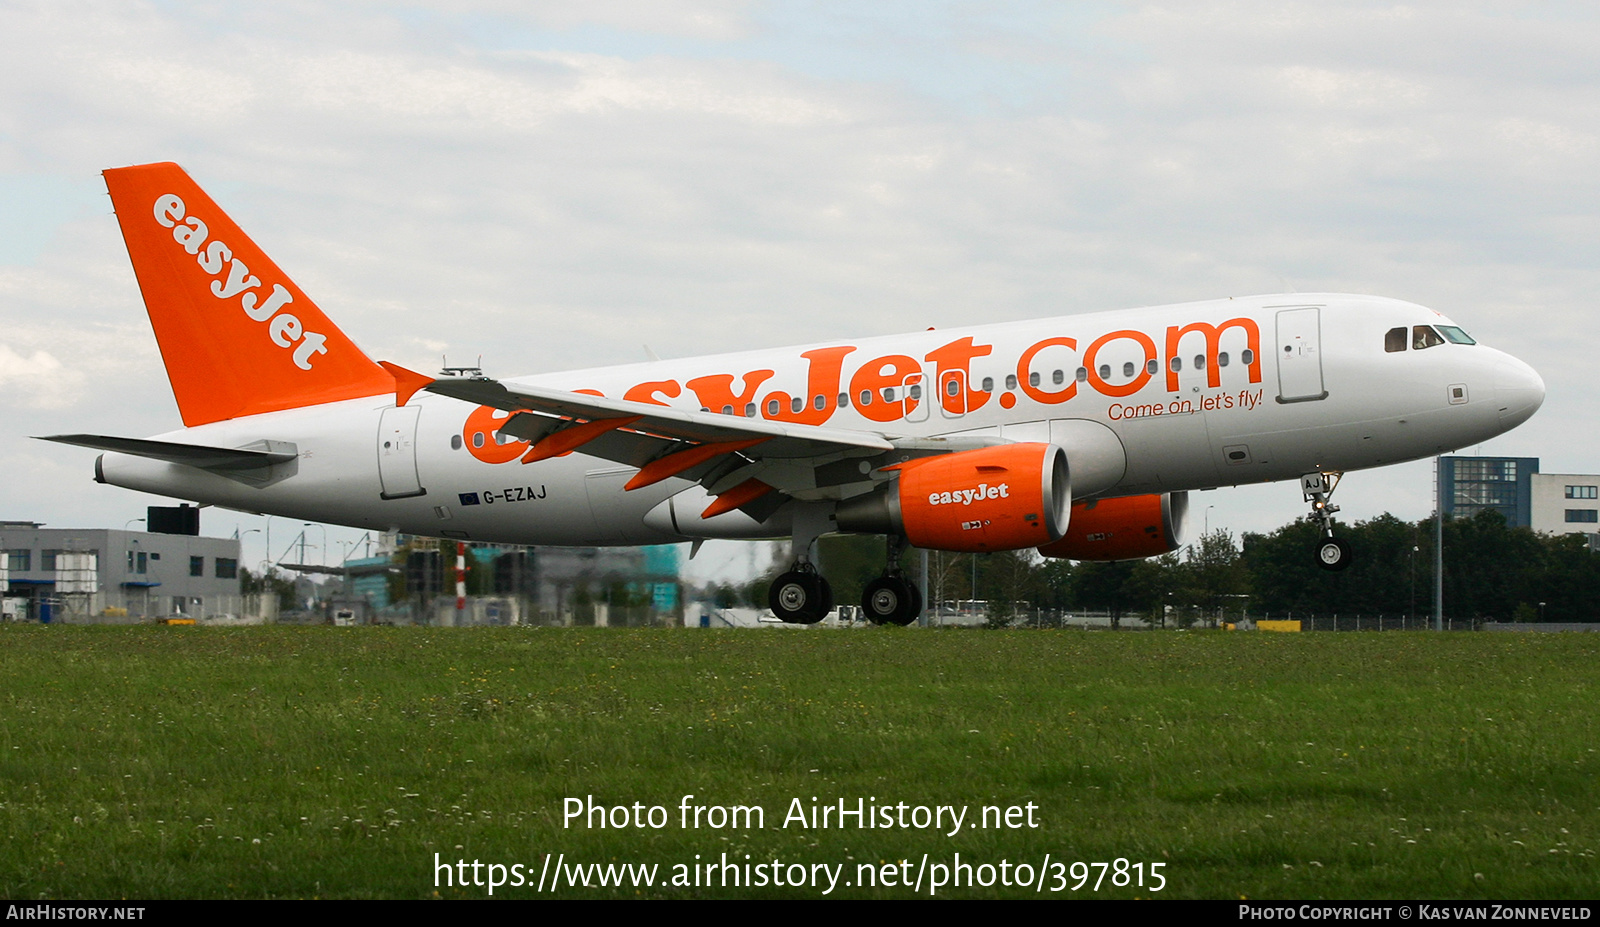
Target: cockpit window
(1423, 336)
(1395, 340)
(1456, 335)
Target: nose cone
(1520, 391)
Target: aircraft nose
(1520, 391)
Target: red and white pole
(461, 580)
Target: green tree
(1214, 576)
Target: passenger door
(1300, 355)
(397, 453)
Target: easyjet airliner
(1079, 436)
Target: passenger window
(988, 384)
(888, 394)
(1033, 378)
(952, 388)
(772, 407)
(819, 403)
(1058, 377)
(915, 390)
(1082, 374)
(796, 404)
(844, 400)
(1395, 340)
(1152, 367)
(1222, 359)
(1423, 336)
(1199, 362)
(1127, 370)
(1176, 364)
(749, 410)
(1011, 381)
(1247, 357)
(1105, 371)
(866, 397)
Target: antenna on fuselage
(445, 370)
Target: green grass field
(321, 762)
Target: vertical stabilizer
(237, 336)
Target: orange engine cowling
(1129, 528)
(1006, 497)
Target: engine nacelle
(1006, 497)
(1129, 528)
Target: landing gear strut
(1331, 553)
(801, 595)
(891, 597)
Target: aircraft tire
(890, 599)
(1332, 554)
(800, 597)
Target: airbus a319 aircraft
(1080, 436)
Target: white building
(102, 574)
(1567, 503)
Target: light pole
(239, 536)
(323, 558)
(1438, 543)
(1411, 613)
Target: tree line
(1492, 572)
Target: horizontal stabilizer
(253, 464)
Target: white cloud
(37, 379)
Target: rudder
(238, 337)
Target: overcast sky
(555, 185)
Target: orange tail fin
(238, 337)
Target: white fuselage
(1286, 385)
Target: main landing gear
(1331, 553)
(891, 598)
(801, 596)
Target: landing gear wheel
(800, 597)
(1332, 554)
(891, 599)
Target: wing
(739, 460)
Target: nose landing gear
(1330, 553)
